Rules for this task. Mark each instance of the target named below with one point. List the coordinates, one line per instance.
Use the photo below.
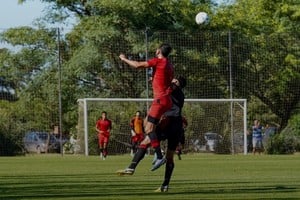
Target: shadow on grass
(108, 186)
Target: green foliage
(264, 39)
(295, 124)
(282, 144)
(11, 129)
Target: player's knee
(143, 146)
(170, 159)
(146, 141)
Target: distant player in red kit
(103, 128)
(163, 73)
(137, 131)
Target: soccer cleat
(162, 189)
(154, 159)
(158, 163)
(126, 171)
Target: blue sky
(13, 14)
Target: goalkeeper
(137, 131)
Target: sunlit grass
(199, 176)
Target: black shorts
(172, 131)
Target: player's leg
(168, 171)
(105, 143)
(181, 144)
(100, 144)
(173, 137)
(133, 146)
(138, 156)
(104, 150)
(155, 143)
(157, 109)
(135, 143)
(260, 146)
(254, 143)
(179, 151)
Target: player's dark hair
(182, 81)
(165, 49)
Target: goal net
(214, 125)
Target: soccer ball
(202, 18)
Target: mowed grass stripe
(197, 176)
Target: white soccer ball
(201, 18)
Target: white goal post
(227, 117)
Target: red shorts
(137, 138)
(102, 139)
(158, 107)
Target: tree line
(253, 44)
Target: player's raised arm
(133, 63)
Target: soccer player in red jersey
(163, 73)
(103, 128)
(137, 131)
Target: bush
(10, 144)
(283, 143)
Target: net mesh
(213, 125)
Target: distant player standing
(103, 128)
(137, 131)
(182, 138)
(162, 76)
(257, 137)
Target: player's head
(179, 81)
(182, 81)
(256, 122)
(138, 113)
(103, 114)
(164, 49)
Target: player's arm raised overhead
(133, 63)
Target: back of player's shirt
(163, 73)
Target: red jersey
(104, 125)
(163, 73)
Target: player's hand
(133, 133)
(122, 56)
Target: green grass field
(198, 176)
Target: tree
(91, 67)
(271, 52)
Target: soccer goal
(214, 125)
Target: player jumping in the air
(162, 76)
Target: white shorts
(257, 143)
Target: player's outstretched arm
(133, 63)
